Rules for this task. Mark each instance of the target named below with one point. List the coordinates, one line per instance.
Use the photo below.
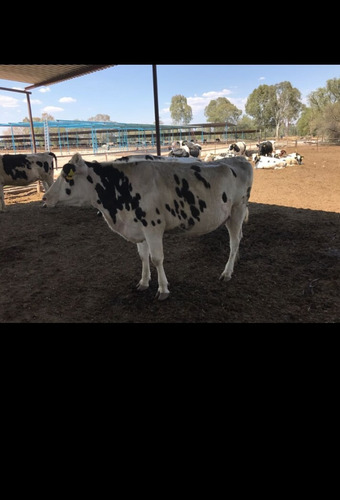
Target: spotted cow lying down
(140, 200)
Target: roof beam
(70, 74)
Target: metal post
(155, 96)
(31, 121)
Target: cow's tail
(55, 159)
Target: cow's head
(234, 147)
(73, 186)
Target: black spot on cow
(89, 178)
(202, 204)
(185, 193)
(202, 179)
(115, 192)
(195, 212)
(12, 162)
(68, 191)
(224, 197)
(196, 168)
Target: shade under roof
(37, 75)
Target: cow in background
(239, 148)
(23, 169)
(265, 148)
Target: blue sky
(125, 92)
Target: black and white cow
(184, 149)
(194, 148)
(265, 148)
(142, 200)
(239, 148)
(23, 169)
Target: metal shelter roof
(46, 74)
(37, 75)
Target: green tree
(181, 112)
(222, 110)
(287, 105)
(324, 103)
(274, 105)
(323, 96)
(245, 123)
(259, 104)
(305, 124)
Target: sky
(125, 92)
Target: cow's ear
(79, 164)
(76, 158)
(68, 171)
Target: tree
(222, 110)
(100, 118)
(325, 109)
(323, 96)
(287, 105)
(258, 106)
(274, 105)
(305, 124)
(181, 112)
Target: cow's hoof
(162, 296)
(141, 288)
(223, 277)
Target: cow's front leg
(143, 251)
(157, 257)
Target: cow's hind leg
(239, 214)
(143, 251)
(155, 243)
(2, 199)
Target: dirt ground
(64, 265)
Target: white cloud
(43, 90)
(32, 101)
(9, 102)
(67, 99)
(52, 109)
(262, 78)
(198, 103)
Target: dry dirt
(64, 265)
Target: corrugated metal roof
(37, 75)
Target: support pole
(31, 121)
(155, 96)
